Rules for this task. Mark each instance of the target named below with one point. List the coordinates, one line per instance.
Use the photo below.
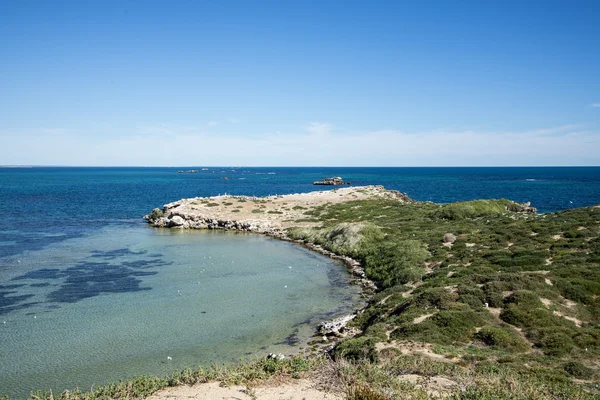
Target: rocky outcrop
(191, 221)
(522, 207)
(335, 327)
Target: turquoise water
(91, 294)
(119, 302)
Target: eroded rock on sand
(335, 327)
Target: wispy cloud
(212, 124)
(319, 128)
(595, 105)
(312, 145)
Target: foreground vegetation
(509, 290)
(474, 301)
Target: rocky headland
(270, 215)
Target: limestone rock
(334, 327)
(176, 220)
(449, 238)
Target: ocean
(90, 294)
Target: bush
(472, 209)
(471, 295)
(524, 298)
(357, 349)
(556, 344)
(392, 263)
(457, 325)
(439, 298)
(503, 338)
(445, 327)
(578, 370)
(155, 214)
(529, 318)
(473, 301)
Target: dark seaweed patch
(113, 254)
(40, 284)
(10, 303)
(92, 279)
(85, 279)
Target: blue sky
(398, 83)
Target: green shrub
(472, 209)
(392, 263)
(503, 338)
(364, 392)
(578, 370)
(357, 349)
(473, 301)
(445, 327)
(573, 234)
(524, 298)
(156, 214)
(556, 344)
(438, 297)
(458, 325)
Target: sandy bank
(302, 389)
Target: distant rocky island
(332, 181)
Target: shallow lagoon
(129, 300)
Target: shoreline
(472, 253)
(275, 217)
(269, 217)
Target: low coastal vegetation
(475, 300)
(489, 288)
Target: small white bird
(169, 358)
(35, 316)
(285, 287)
(290, 267)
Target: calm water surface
(125, 301)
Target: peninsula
(476, 299)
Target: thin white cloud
(212, 124)
(318, 128)
(167, 129)
(317, 145)
(595, 105)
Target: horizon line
(291, 166)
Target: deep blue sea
(46, 204)
(90, 294)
